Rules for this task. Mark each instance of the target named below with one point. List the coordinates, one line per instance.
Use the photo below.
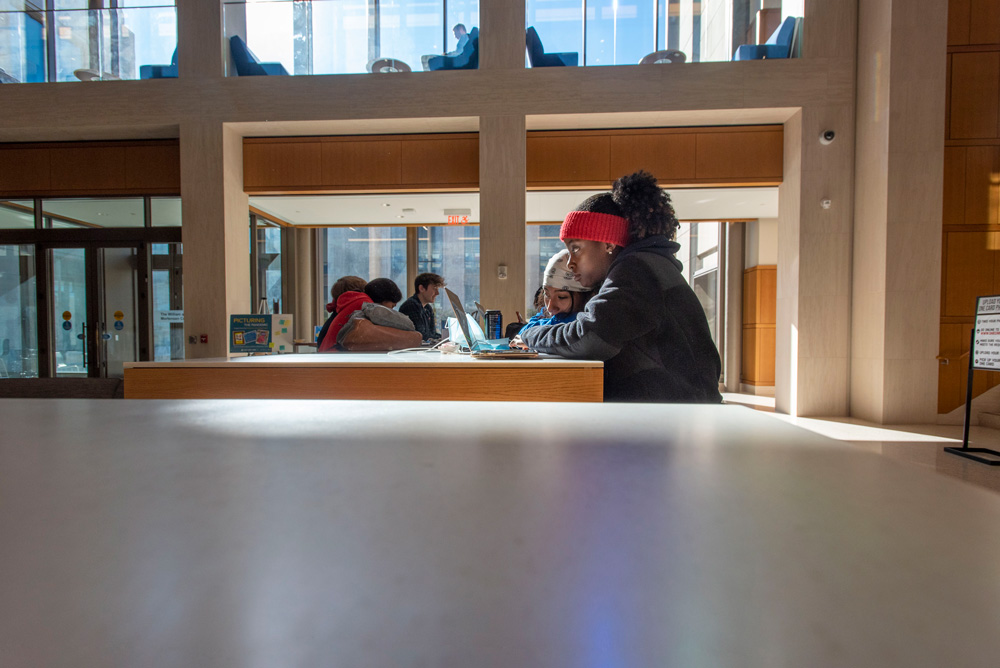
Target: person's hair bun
(645, 205)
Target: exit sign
(458, 220)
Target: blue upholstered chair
(247, 64)
(160, 71)
(538, 58)
(467, 60)
(778, 45)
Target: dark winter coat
(422, 317)
(648, 327)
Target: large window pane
(17, 214)
(699, 253)
(368, 252)
(411, 28)
(18, 313)
(69, 311)
(465, 12)
(541, 243)
(93, 213)
(270, 30)
(452, 251)
(168, 301)
(559, 24)
(340, 37)
(619, 32)
(268, 270)
(165, 211)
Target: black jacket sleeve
(627, 306)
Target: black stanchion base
(971, 453)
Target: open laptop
(477, 343)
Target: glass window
(269, 266)
(465, 12)
(541, 243)
(17, 214)
(559, 24)
(168, 301)
(699, 253)
(344, 46)
(270, 30)
(619, 32)
(451, 251)
(409, 29)
(18, 312)
(69, 311)
(165, 211)
(368, 252)
(93, 213)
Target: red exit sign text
(458, 220)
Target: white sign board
(170, 316)
(986, 344)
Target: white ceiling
(429, 208)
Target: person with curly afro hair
(645, 321)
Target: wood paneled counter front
(404, 376)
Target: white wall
(761, 242)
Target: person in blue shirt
(461, 34)
(563, 296)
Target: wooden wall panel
(670, 157)
(24, 170)
(83, 169)
(760, 291)
(968, 271)
(441, 161)
(984, 24)
(953, 208)
(568, 159)
(98, 169)
(153, 168)
(975, 95)
(982, 166)
(283, 164)
(739, 156)
(958, 22)
(362, 163)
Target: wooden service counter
(406, 376)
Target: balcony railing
(87, 44)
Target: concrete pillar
(199, 45)
(732, 346)
(501, 42)
(502, 184)
(215, 235)
(303, 307)
(897, 231)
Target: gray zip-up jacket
(648, 327)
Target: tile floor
(918, 444)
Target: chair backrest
(534, 46)
(783, 35)
(246, 63)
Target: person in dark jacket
(418, 307)
(342, 285)
(645, 321)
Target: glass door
(71, 346)
(98, 309)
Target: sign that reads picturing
(986, 343)
(250, 334)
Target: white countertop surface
(314, 533)
(409, 359)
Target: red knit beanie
(592, 226)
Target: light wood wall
(760, 292)
(724, 156)
(90, 168)
(971, 210)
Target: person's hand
(516, 342)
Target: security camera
(827, 137)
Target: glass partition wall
(87, 284)
(268, 37)
(86, 40)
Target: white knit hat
(558, 276)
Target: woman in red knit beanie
(645, 322)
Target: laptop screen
(463, 319)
